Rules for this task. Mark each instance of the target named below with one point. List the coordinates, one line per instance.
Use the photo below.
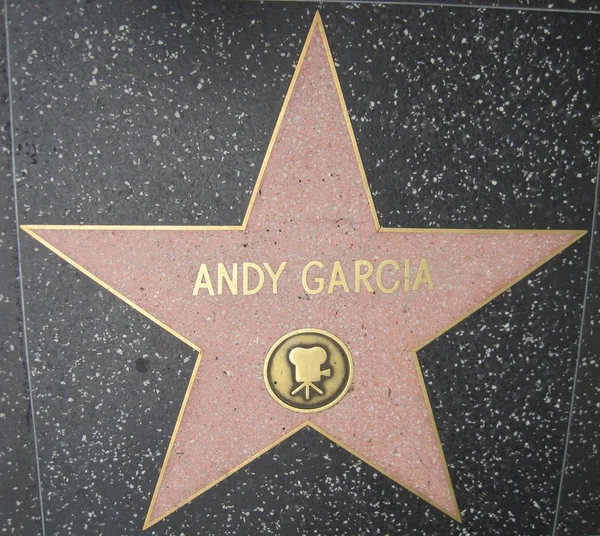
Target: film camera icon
(308, 370)
(307, 362)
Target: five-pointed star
(311, 202)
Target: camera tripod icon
(307, 362)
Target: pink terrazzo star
(311, 203)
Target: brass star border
(317, 25)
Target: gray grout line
(449, 5)
(579, 347)
(20, 266)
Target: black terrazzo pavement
(160, 113)
(19, 502)
(549, 5)
(580, 500)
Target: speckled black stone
(580, 498)
(538, 5)
(104, 421)
(19, 504)
(161, 112)
(503, 118)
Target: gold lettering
(362, 278)
(203, 281)
(382, 287)
(337, 278)
(319, 280)
(274, 276)
(423, 276)
(246, 278)
(363, 270)
(232, 281)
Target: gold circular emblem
(308, 370)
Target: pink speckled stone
(312, 206)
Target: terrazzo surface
(19, 503)
(545, 5)
(580, 496)
(161, 114)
